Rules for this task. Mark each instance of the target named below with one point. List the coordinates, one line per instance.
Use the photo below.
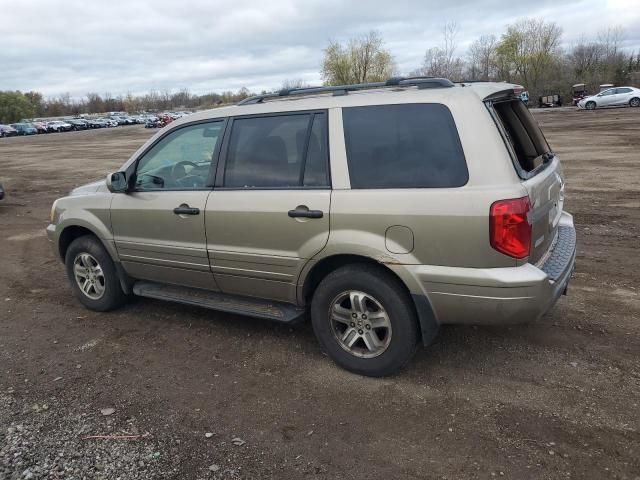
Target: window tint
(316, 172)
(403, 146)
(623, 90)
(272, 152)
(181, 160)
(611, 91)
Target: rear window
(403, 146)
(522, 133)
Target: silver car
(612, 97)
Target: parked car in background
(7, 131)
(40, 126)
(578, 92)
(78, 124)
(123, 119)
(25, 128)
(59, 126)
(612, 97)
(382, 214)
(95, 123)
(1, 192)
(548, 101)
(111, 122)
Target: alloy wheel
(89, 275)
(360, 324)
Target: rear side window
(522, 133)
(403, 146)
(278, 151)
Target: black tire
(590, 106)
(391, 295)
(634, 102)
(112, 296)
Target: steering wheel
(178, 171)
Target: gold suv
(384, 210)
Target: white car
(612, 97)
(59, 126)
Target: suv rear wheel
(93, 275)
(365, 320)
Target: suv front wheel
(93, 275)
(365, 320)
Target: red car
(41, 127)
(578, 92)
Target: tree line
(15, 106)
(529, 53)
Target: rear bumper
(500, 295)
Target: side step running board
(253, 307)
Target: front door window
(181, 160)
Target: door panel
(255, 247)
(159, 226)
(606, 98)
(623, 95)
(156, 244)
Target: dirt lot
(558, 399)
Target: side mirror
(117, 182)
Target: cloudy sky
(120, 46)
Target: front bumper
(53, 239)
(500, 295)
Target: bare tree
(441, 61)
(289, 84)
(362, 59)
(482, 58)
(600, 60)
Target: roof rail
(420, 82)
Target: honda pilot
(381, 211)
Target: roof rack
(420, 82)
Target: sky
(131, 46)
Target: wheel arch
(422, 306)
(71, 232)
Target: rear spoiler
(490, 91)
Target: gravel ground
(207, 395)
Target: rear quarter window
(522, 134)
(403, 146)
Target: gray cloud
(78, 46)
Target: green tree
(14, 106)
(38, 102)
(362, 59)
(529, 53)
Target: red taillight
(509, 230)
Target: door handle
(185, 209)
(305, 213)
